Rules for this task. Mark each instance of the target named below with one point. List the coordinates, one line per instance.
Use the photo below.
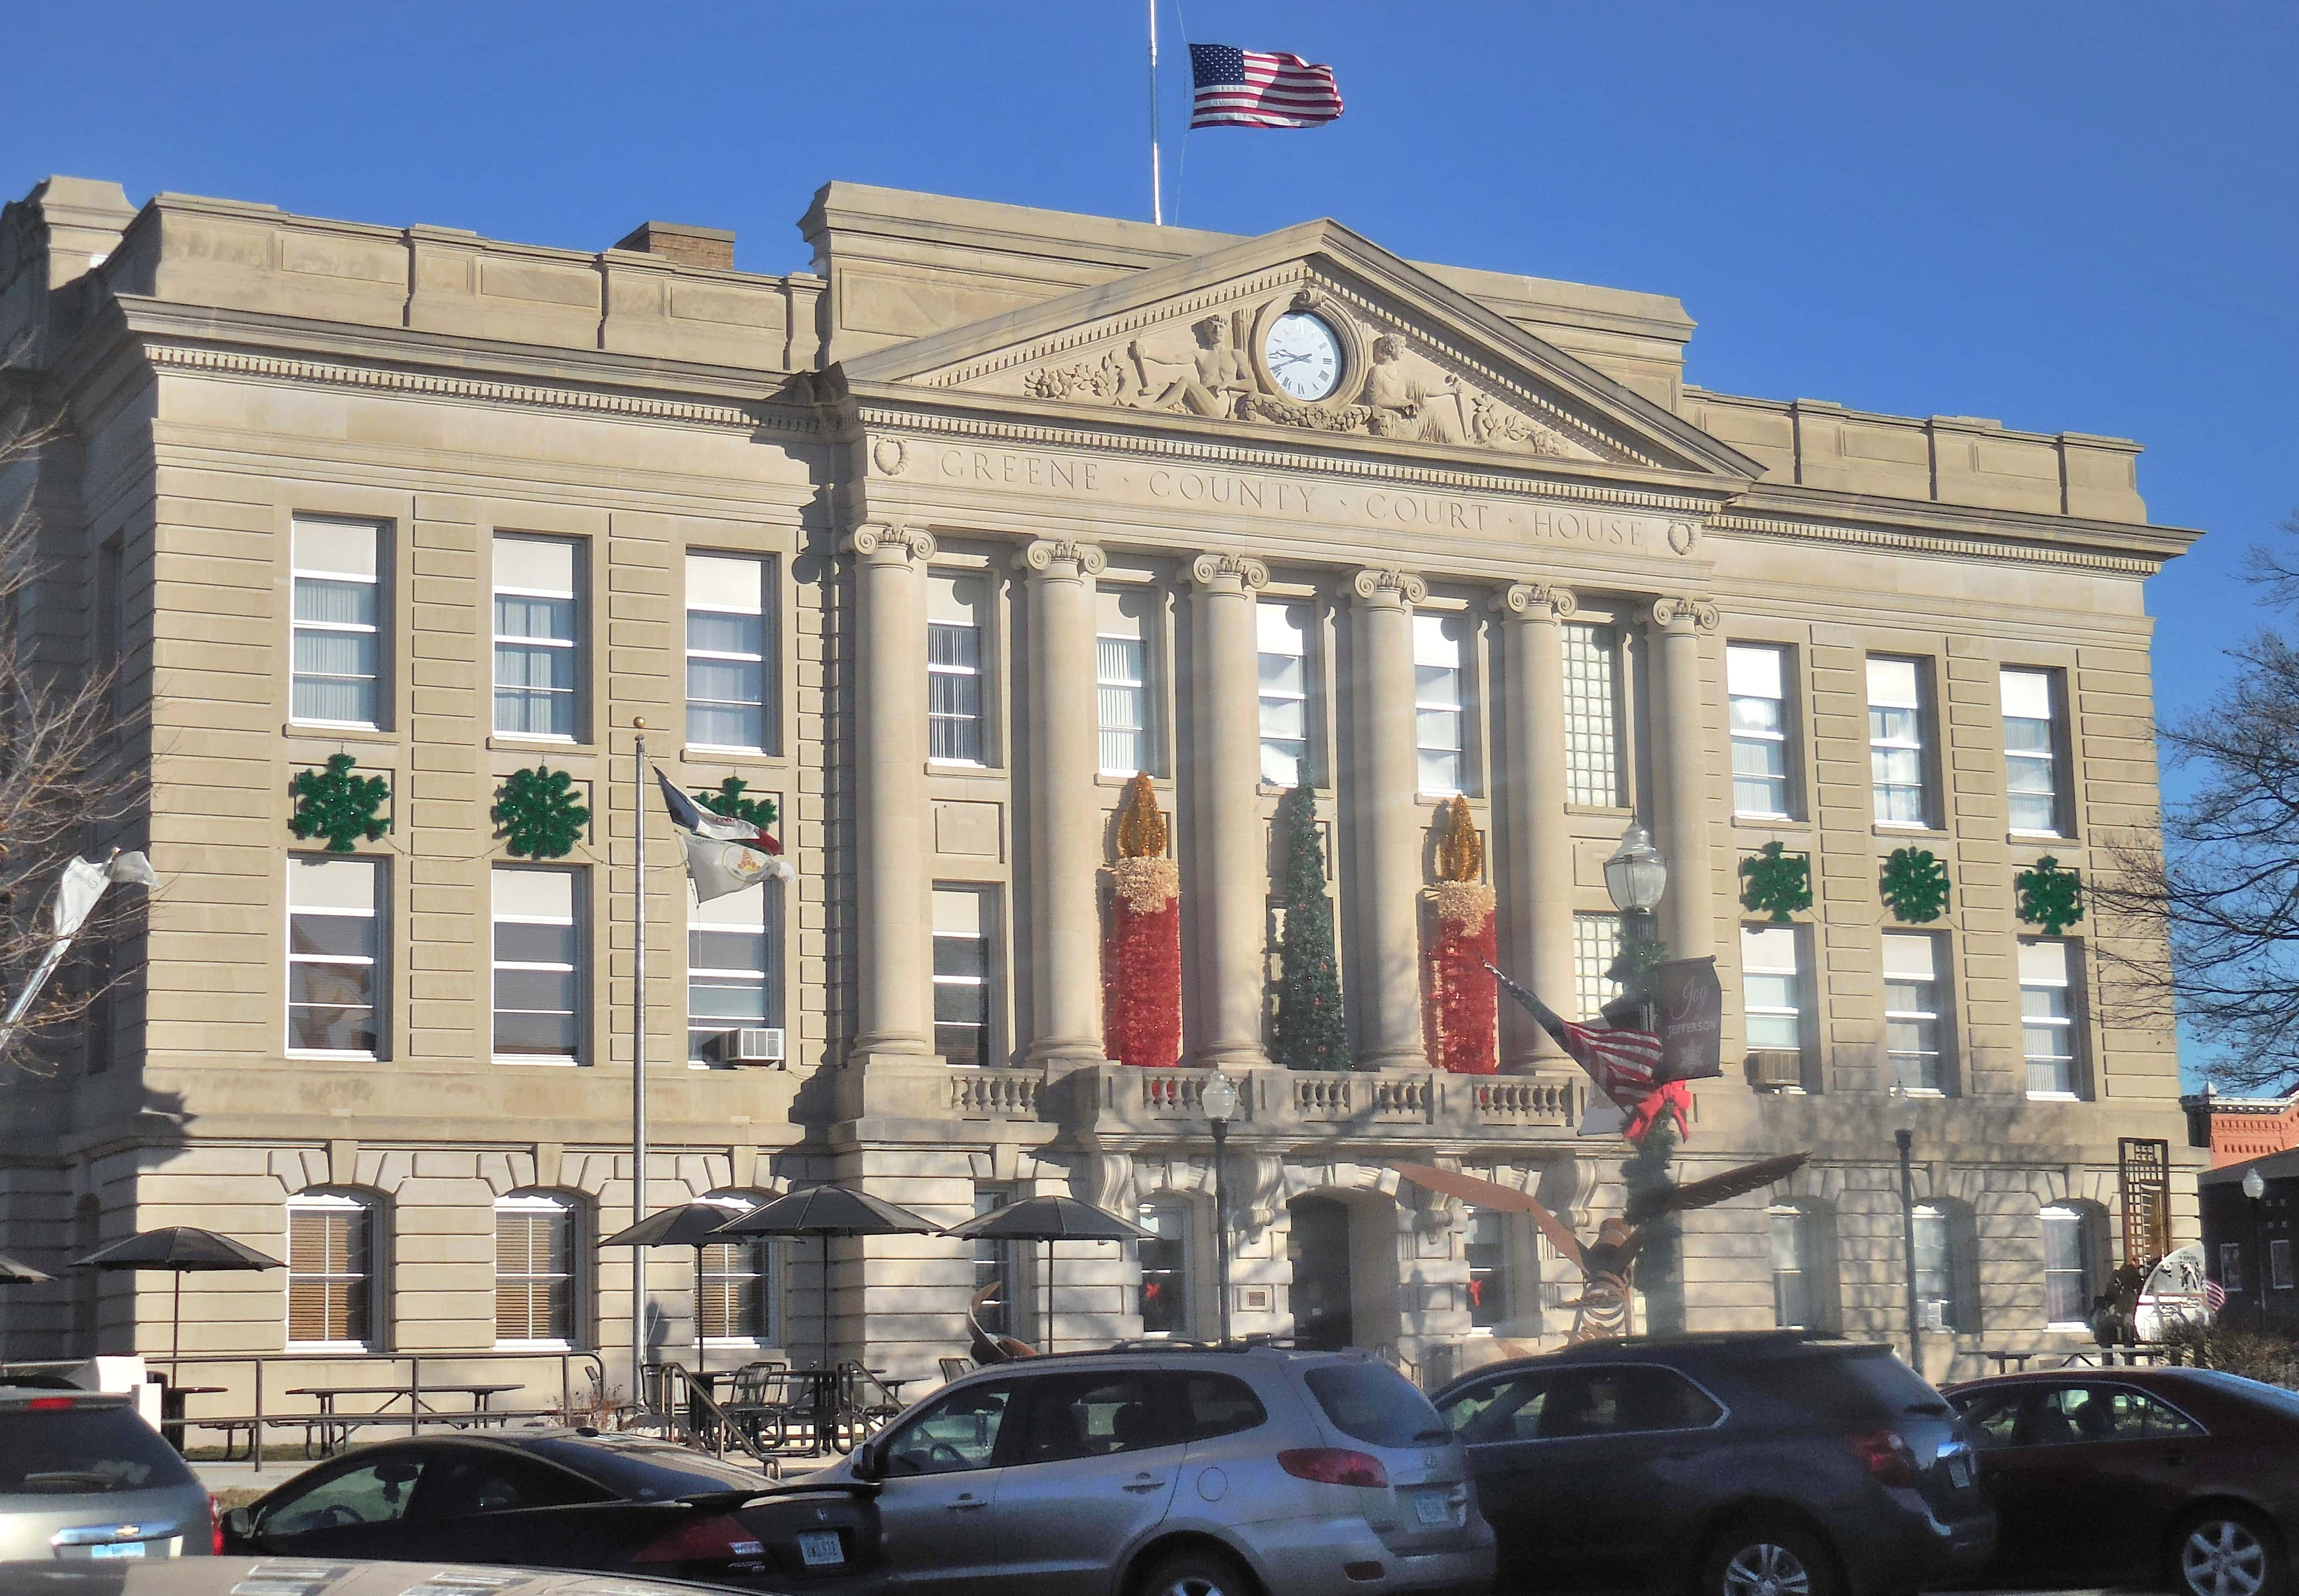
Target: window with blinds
(738, 1288)
(2031, 750)
(1440, 700)
(957, 616)
(1756, 682)
(330, 1272)
(334, 955)
(1123, 658)
(535, 1250)
(1895, 741)
(730, 966)
(1592, 717)
(337, 674)
(539, 663)
(1284, 636)
(727, 658)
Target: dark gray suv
(1738, 1464)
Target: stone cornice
(1995, 546)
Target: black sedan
(567, 1499)
(2140, 1475)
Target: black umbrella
(181, 1250)
(12, 1273)
(689, 1225)
(1049, 1219)
(828, 1211)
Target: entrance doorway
(1318, 1246)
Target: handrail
(722, 1423)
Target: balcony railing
(1114, 1099)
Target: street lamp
(1219, 1101)
(1903, 1121)
(2254, 1188)
(1635, 878)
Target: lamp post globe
(1636, 875)
(2254, 1185)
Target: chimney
(689, 246)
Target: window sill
(1317, 790)
(327, 731)
(1929, 1093)
(2068, 1326)
(536, 1346)
(1609, 809)
(1113, 780)
(1770, 823)
(330, 1349)
(2054, 1098)
(703, 753)
(329, 1055)
(2041, 839)
(1908, 829)
(539, 1063)
(962, 767)
(506, 742)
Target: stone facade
(1052, 421)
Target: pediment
(1421, 364)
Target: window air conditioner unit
(761, 1045)
(1775, 1069)
(1933, 1316)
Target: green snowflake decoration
(1914, 885)
(1776, 883)
(2050, 898)
(337, 804)
(538, 815)
(729, 801)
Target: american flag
(1259, 89)
(1619, 1060)
(2214, 1295)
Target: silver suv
(82, 1476)
(1172, 1471)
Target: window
(726, 652)
(738, 1281)
(1164, 1254)
(335, 955)
(2278, 1265)
(2074, 1415)
(1507, 1409)
(955, 1434)
(1793, 1304)
(1911, 1011)
(1440, 701)
(1284, 632)
(536, 1249)
(538, 656)
(1616, 1401)
(1072, 1417)
(1122, 637)
(1756, 675)
(1936, 1268)
(337, 673)
(330, 1272)
(538, 964)
(2070, 1241)
(2047, 988)
(2031, 760)
(1772, 988)
(2231, 1266)
(1895, 741)
(1486, 1249)
(961, 975)
(998, 1283)
(730, 966)
(377, 1492)
(1596, 945)
(1592, 717)
(957, 609)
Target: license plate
(1959, 1472)
(124, 1549)
(1431, 1507)
(820, 1547)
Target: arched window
(2073, 1262)
(738, 1281)
(1804, 1265)
(539, 1249)
(1485, 1246)
(332, 1248)
(1944, 1299)
(1166, 1300)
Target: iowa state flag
(723, 855)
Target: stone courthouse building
(936, 545)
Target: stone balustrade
(1415, 1105)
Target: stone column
(893, 953)
(1065, 830)
(1383, 782)
(1687, 915)
(1229, 847)
(1533, 856)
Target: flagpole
(1157, 197)
(638, 1060)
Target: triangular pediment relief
(1311, 330)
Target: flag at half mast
(723, 855)
(1259, 89)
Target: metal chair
(951, 1367)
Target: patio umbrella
(824, 1211)
(181, 1250)
(689, 1225)
(1049, 1219)
(12, 1273)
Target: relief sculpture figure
(1215, 381)
(1403, 405)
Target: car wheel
(1762, 1558)
(1195, 1573)
(2227, 1551)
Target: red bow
(1672, 1098)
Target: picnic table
(332, 1426)
(172, 1411)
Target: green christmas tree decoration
(2050, 898)
(337, 804)
(1776, 883)
(729, 801)
(538, 815)
(1914, 885)
(1308, 1033)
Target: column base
(1235, 1055)
(1057, 1053)
(1394, 1058)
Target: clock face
(1304, 355)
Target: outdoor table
(334, 1428)
(171, 1410)
(2003, 1359)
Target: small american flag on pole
(2214, 1295)
(1259, 89)
(1621, 1061)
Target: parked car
(278, 1576)
(2182, 1476)
(84, 1478)
(1167, 1471)
(1740, 1465)
(567, 1499)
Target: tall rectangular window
(999, 1300)
(2031, 756)
(1792, 1272)
(335, 955)
(957, 616)
(1123, 631)
(1596, 945)
(1772, 988)
(330, 1272)
(1895, 741)
(337, 671)
(1440, 701)
(961, 973)
(536, 1251)
(730, 967)
(2278, 1264)
(1486, 1252)
(538, 637)
(2067, 1266)
(1592, 717)
(538, 964)
(728, 653)
(1164, 1254)
(738, 1290)
(1911, 1011)
(2231, 1266)
(1756, 676)
(1935, 1268)
(1284, 644)
(2047, 1013)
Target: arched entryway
(1343, 1246)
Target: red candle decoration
(1141, 940)
(1462, 995)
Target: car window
(1209, 1405)
(1620, 1401)
(1507, 1409)
(2073, 1415)
(957, 1433)
(1092, 1416)
(373, 1492)
(1372, 1402)
(1863, 1385)
(84, 1451)
(1993, 1416)
(460, 1484)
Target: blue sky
(2066, 216)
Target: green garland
(337, 804)
(729, 801)
(1776, 883)
(2050, 898)
(1914, 885)
(538, 815)
(1308, 1033)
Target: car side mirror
(239, 1524)
(870, 1460)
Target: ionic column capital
(1380, 589)
(882, 543)
(1040, 556)
(1536, 601)
(1229, 573)
(1683, 614)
